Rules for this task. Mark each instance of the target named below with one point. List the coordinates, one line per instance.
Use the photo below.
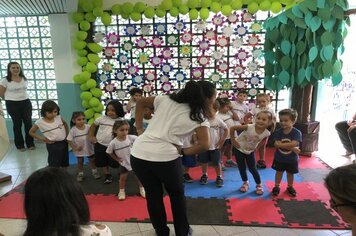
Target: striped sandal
(259, 190)
(244, 187)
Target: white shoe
(96, 175)
(121, 196)
(142, 192)
(80, 177)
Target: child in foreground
(286, 141)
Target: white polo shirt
(15, 91)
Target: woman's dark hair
(135, 90)
(119, 109)
(8, 76)
(54, 204)
(75, 115)
(118, 124)
(196, 95)
(48, 106)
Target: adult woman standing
(13, 89)
(341, 185)
(155, 154)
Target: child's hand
(296, 150)
(220, 144)
(77, 148)
(235, 143)
(92, 139)
(119, 160)
(46, 140)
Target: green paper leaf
(285, 62)
(308, 72)
(315, 23)
(311, 5)
(328, 52)
(282, 18)
(308, 17)
(328, 25)
(270, 57)
(320, 3)
(338, 12)
(300, 23)
(301, 34)
(297, 12)
(321, 55)
(301, 76)
(336, 79)
(293, 34)
(273, 35)
(279, 86)
(300, 47)
(290, 15)
(303, 8)
(283, 77)
(268, 69)
(268, 82)
(337, 67)
(285, 47)
(327, 69)
(343, 4)
(327, 38)
(292, 51)
(324, 14)
(303, 60)
(313, 53)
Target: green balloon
(86, 95)
(87, 6)
(79, 45)
(90, 17)
(81, 35)
(193, 14)
(116, 9)
(265, 5)
(204, 13)
(205, 3)
(166, 5)
(177, 3)
(174, 11)
(84, 87)
(183, 9)
(106, 19)
(160, 13)
(77, 17)
(98, 11)
(91, 67)
(139, 7)
(236, 4)
(84, 76)
(89, 113)
(99, 107)
(135, 16)
(97, 115)
(84, 25)
(94, 58)
(82, 52)
(215, 7)
(85, 104)
(96, 92)
(225, 2)
(93, 102)
(127, 7)
(252, 7)
(91, 83)
(276, 7)
(77, 79)
(82, 61)
(226, 10)
(94, 47)
(192, 4)
(98, 3)
(149, 12)
(91, 121)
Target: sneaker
(187, 178)
(203, 179)
(121, 196)
(276, 190)
(223, 168)
(108, 179)
(21, 149)
(80, 177)
(219, 182)
(96, 175)
(261, 164)
(142, 192)
(230, 163)
(32, 148)
(291, 191)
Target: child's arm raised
(234, 114)
(233, 129)
(91, 134)
(32, 132)
(222, 137)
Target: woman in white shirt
(155, 154)
(13, 89)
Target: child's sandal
(244, 187)
(259, 190)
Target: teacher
(13, 89)
(155, 154)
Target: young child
(240, 107)
(218, 133)
(78, 140)
(147, 116)
(120, 149)
(54, 130)
(229, 116)
(103, 125)
(286, 141)
(262, 104)
(245, 145)
(135, 94)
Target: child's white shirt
(241, 110)
(249, 139)
(122, 149)
(80, 138)
(256, 110)
(227, 118)
(133, 110)
(54, 131)
(104, 134)
(216, 130)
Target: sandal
(244, 187)
(259, 190)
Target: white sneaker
(121, 196)
(96, 175)
(142, 192)
(80, 177)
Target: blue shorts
(285, 166)
(189, 160)
(212, 156)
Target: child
(262, 102)
(55, 204)
(245, 145)
(147, 116)
(135, 94)
(54, 130)
(218, 132)
(229, 116)
(240, 107)
(120, 149)
(103, 125)
(79, 141)
(188, 161)
(287, 140)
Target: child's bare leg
(261, 151)
(218, 170)
(92, 163)
(278, 178)
(204, 168)
(290, 179)
(141, 188)
(122, 181)
(80, 164)
(106, 170)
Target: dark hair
(54, 204)
(196, 94)
(272, 126)
(263, 95)
(75, 115)
(135, 90)
(223, 102)
(48, 106)
(118, 124)
(242, 92)
(340, 182)
(8, 76)
(119, 110)
(293, 114)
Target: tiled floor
(21, 164)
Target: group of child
(108, 141)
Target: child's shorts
(284, 166)
(102, 158)
(58, 155)
(123, 170)
(189, 160)
(212, 156)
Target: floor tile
(268, 231)
(314, 232)
(231, 230)
(118, 228)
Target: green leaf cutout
(328, 52)
(336, 79)
(327, 38)
(285, 62)
(301, 76)
(297, 12)
(285, 47)
(284, 77)
(313, 53)
(315, 23)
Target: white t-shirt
(216, 130)
(15, 91)
(227, 118)
(249, 139)
(91, 229)
(169, 126)
(133, 110)
(256, 110)
(80, 138)
(122, 149)
(241, 109)
(104, 134)
(54, 131)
